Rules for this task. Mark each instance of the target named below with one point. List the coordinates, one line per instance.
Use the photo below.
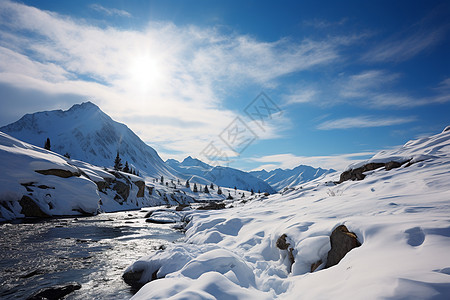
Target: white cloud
(289, 161)
(110, 11)
(162, 71)
(363, 122)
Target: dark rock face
(141, 185)
(133, 278)
(30, 208)
(58, 172)
(357, 174)
(342, 241)
(282, 244)
(55, 293)
(212, 206)
(315, 265)
(159, 221)
(122, 189)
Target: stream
(92, 251)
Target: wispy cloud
(289, 161)
(163, 70)
(324, 24)
(110, 11)
(363, 122)
(412, 41)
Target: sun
(145, 72)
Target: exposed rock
(342, 241)
(132, 278)
(122, 189)
(212, 206)
(102, 185)
(30, 208)
(56, 292)
(160, 221)
(58, 172)
(282, 244)
(357, 174)
(141, 185)
(315, 265)
(181, 207)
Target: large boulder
(58, 172)
(30, 208)
(342, 241)
(56, 292)
(141, 185)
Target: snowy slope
(281, 178)
(400, 216)
(35, 182)
(88, 134)
(200, 172)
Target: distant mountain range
(281, 178)
(200, 172)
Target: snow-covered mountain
(281, 178)
(35, 182)
(86, 133)
(200, 172)
(396, 220)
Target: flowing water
(93, 251)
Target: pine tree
(211, 186)
(229, 197)
(195, 188)
(219, 191)
(235, 188)
(67, 155)
(127, 168)
(243, 195)
(206, 189)
(252, 192)
(47, 144)
(162, 179)
(118, 163)
(187, 184)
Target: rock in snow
(400, 218)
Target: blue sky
(346, 78)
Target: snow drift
(399, 216)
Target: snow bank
(400, 216)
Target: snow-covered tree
(188, 184)
(126, 168)
(118, 162)
(206, 189)
(195, 188)
(219, 191)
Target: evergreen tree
(195, 188)
(47, 144)
(211, 186)
(118, 163)
(127, 168)
(187, 184)
(229, 197)
(252, 192)
(235, 189)
(206, 189)
(219, 191)
(243, 195)
(67, 155)
(162, 179)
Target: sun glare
(145, 73)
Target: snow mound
(400, 217)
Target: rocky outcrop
(132, 278)
(56, 292)
(122, 189)
(212, 206)
(58, 172)
(342, 241)
(30, 208)
(141, 185)
(357, 174)
(282, 244)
